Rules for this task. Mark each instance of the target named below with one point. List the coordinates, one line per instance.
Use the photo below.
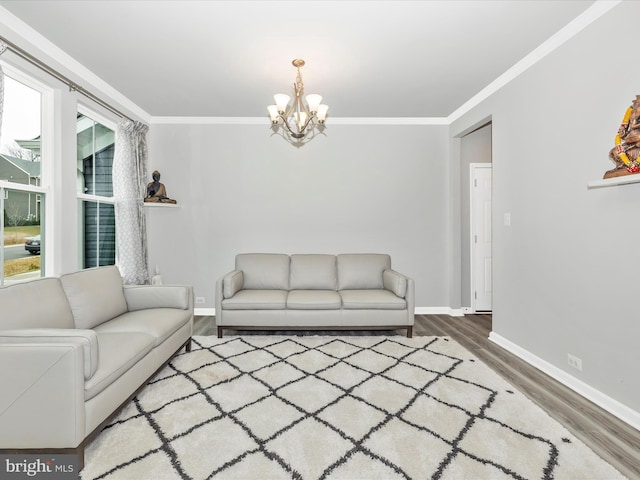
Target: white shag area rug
(349, 407)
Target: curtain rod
(73, 87)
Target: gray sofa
(271, 291)
(75, 349)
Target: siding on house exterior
(20, 207)
(99, 218)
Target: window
(95, 149)
(22, 198)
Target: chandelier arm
(285, 115)
(304, 107)
(309, 118)
(286, 124)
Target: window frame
(86, 197)
(47, 159)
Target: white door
(481, 237)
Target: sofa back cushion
(264, 271)
(361, 271)
(313, 272)
(95, 295)
(35, 304)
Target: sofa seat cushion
(160, 323)
(314, 300)
(118, 352)
(371, 299)
(257, 300)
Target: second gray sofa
(75, 349)
(270, 291)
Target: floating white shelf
(161, 205)
(610, 182)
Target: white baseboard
(454, 312)
(611, 405)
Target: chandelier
(304, 118)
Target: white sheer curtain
(129, 189)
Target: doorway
(475, 148)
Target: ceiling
(228, 58)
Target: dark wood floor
(615, 441)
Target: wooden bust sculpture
(626, 153)
(156, 191)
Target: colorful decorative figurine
(627, 150)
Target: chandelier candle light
(305, 117)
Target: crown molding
(388, 120)
(211, 120)
(330, 121)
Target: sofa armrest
(395, 282)
(232, 283)
(411, 301)
(42, 395)
(142, 297)
(226, 287)
(86, 339)
(401, 286)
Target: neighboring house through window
(22, 198)
(25, 172)
(95, 149)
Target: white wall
(566, 271)
(357, 189)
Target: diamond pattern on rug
(434, 416)
(314, 407)
(312, 361)
(344, 375)
(310, 459)
(269, 416)
(310, 394)
(363, 467)
(216, 435)
(355, 418)
(384, 394)
(415, 452)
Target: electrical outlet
(200, 299)
(574, 362)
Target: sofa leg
(409, 332)
(219, 331)
(187, 346)
(80, 458)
